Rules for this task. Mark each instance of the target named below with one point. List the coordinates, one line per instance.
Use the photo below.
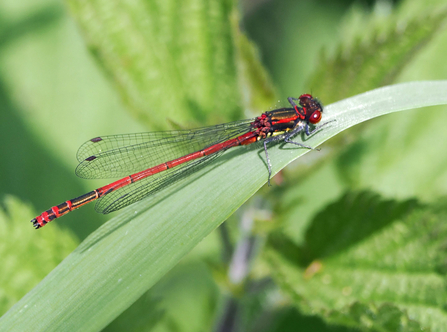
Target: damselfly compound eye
(315, 117)
(305, 96)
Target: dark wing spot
(96, 139)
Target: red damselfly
(157, 159)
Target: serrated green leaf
(377, 56)
(121, 260)
(164, 57)
(325, 236)
(369, 263)
(26, 258)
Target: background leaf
(32, 257)
(383, 271)
(139, 46)
(377, 57)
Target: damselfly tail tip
(36, 224)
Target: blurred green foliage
(26, 257)
(358, 235)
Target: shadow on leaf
(342, 224)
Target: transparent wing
(138, 190)
(122, 155)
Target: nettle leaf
(369, 263)
(176, 62)
(376, 56)
(388, 154)
(164, 56)
(171, 61)
(26, 257)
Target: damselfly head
(312, 108)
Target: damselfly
(157, 159)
